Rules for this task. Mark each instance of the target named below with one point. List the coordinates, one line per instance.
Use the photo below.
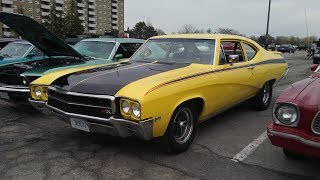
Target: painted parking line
(250, 148)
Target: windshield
(15, 50)
(197, 51)
(95, 49)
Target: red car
(296, 115)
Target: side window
(250, 51)
(128, 49)
(222, 57)
(233, 48)
(36, 52)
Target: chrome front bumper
(41, 106)
(17, 94)
(112, 126)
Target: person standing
(313, 49)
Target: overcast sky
(247, 16)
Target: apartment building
(98, 16)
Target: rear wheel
(263, 99)
(290, 154)
(181, 130)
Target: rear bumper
(15, 94)
(112, 126)
(294, 139)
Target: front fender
(162, 108)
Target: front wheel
(181, 130)
(262, 100)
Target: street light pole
(268, 21)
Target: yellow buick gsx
(168, 86)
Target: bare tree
(227, 31)
(188, 29)
(209, 31)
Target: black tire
(290, 154)
(172, 141)
(262, 100)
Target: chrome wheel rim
(183, 125)
(266, 93)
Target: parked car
(286, 48)
(5, 41)
(296, 117)
(302, 47)
(16, 76)
(316, 57)
(168, 86)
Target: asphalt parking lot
(230, 146)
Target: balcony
(93, 1)
(92, 13)
(43, 6)
(92, 19)
(80, 11)
(115, 27)
(44, 13)
(92, 7)
(45, 1)
(114, 16)
(7, 34)
(8, 10)
(59, 1)
(93, 31)
(7, 2)
(114, 10)
(82, 18)
(92, 25)
(115, 4)
(59, 8)
(114, 22)
(81, 5)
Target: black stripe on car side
(273, 61)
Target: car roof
(200, 36)
(119, 40)
(205, 36)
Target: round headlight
(136, 110)
(125, 106)
(37, 91)
(286, 114)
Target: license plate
(79, 124)
(4, 95)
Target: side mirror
(233, 58)
(31, 55)
(117, 57)
(314, 67)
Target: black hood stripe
(273, 61)
(110, 79)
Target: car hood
(306, 91)
(38, 35)
(9, 61)
(108, 80)
(47, 70)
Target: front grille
(80, 104)
(316, 124)
(11, 79)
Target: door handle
(251, 67)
